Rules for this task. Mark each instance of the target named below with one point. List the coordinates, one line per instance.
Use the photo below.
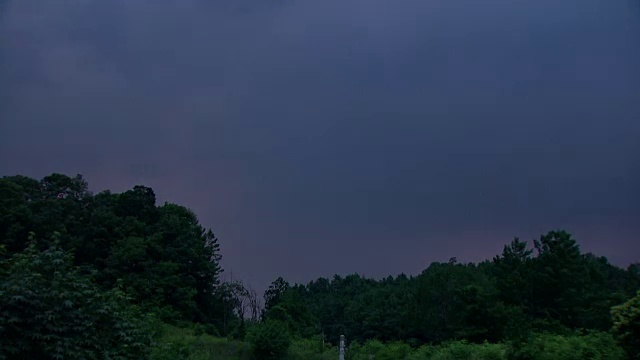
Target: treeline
(551, 287)
(99, 276)
(67, 253)
(159, 255)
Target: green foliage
(183, 343)
(460, 350)
(513, 274)
(455, 301)
(189, 343)
(626, 325)
(594, 346)
(556, 289)
(48, 308)
(269, 340)
(311, 349)
(162, 260)
(378, 350)
(273, 294)
(561, 278)
(294, 312)
(463, 350)
(162, 257)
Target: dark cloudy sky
(336, 136)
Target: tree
(161, 255)
(243, 299)
(293, 311)
(626, 325)
(560, 284)
(269, 340)
(274, 292)
(453, 301)
(16, 193)
(139, 203)
(48, 308)
(59, 186)
(514, 278)
(607, 286)
(255, 305)
(513, 273)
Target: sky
(318, 137)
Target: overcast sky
(335, 136)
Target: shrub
(269, 340)
(460, 350)
(312, 349)
(593, 346)
(422, 353)
(49, 309)
(188, 343)
(394, 351)
(626, 325)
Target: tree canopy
(162, 257)
(85, 275)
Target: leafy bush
(380, 351)
(312, 349)
(269, 340)
(48, 308)
(626, 325)
(423, 352)
(460, 350)
(593, 346)
(363, 352)
(184, 344)
(189, 343)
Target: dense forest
(117, 276)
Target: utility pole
(341, 347)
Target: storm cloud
(323, 136)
